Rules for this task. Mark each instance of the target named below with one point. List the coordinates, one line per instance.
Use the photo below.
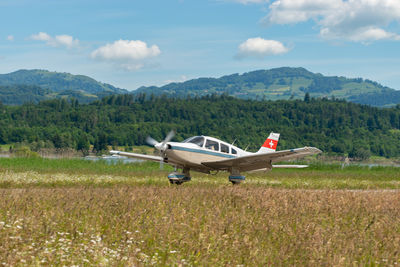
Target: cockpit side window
(224, 148)
(188, 139)
(234, 151)
(198, 140)
(213, 145)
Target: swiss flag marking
(269, 143)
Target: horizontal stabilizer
(290, 166)
(280, 167)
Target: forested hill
(335, 126)
(285, 83)
(34, 85)
(282, 83)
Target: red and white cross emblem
(271, 144)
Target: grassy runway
(73, 212)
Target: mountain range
(280, 83)
(35, 85)
(283, 83)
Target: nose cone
(159, 146)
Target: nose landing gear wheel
(179, 177)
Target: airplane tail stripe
(270, 144)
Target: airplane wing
(138, 156)
(261, 160)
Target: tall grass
(75, 212)
(204, 226)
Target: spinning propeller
(161, 146)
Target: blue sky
(133, 43)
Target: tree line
(334, 126)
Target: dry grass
(72, 212)
(198, 225)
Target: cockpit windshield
(198, 140)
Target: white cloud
(353, 20)
(364, 35)
(182, 79)
(57, 41)
(130, 55)
(259, 48)
(41, 36)
(66, 40)
(10, 38)
(294, 11)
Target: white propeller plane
(206, 154)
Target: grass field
(40, 172)
(75, 212)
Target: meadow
(83, 213)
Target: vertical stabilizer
(270, 144)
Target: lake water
(114, 159)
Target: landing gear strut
(179, 177)
(235, 177)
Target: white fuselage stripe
(203, 151)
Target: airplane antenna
(247, 147)
(233, 142)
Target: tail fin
(270, 144)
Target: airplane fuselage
(191, 155)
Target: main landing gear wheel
(236, 178)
